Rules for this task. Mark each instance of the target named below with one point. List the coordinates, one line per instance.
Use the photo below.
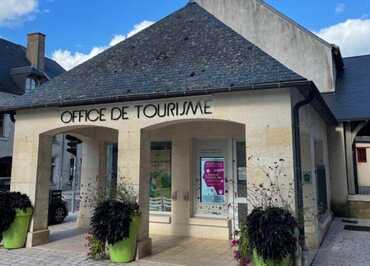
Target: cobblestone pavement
(343, 247)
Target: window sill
(359, 197)
(160, 219)
(218, 222)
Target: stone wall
(265, 115)
(278, 36)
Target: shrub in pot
(241, 246)
(15, 215)
(272, 236)
(116, 222)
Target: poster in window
(213, 180)
(160, 177)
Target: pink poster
(213, 180)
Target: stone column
(349, 158)
(181, 167)
(30, 175)
(134, 170)
(92, 178)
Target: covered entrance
(196, 168)
(190, 171)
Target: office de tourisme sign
(137, 111)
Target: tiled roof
(351, 100)
(14, 56)
(186, 52)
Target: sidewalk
(343, 247)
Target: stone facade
(263, 120)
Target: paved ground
(344, 248)
(67, 248)
(341, 248)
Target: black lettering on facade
(183, 109)
(147, 112)
(124, 113)
(115, 113)
(161, 110)
(138, 108)
(207, 107)
(66, 117)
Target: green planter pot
(125, 250)
(15, 236)
(258, 261)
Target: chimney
(36, 50)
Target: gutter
(298, 164)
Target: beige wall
(265, 115)
(313, 128)
(279, 37)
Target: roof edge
(301, 83)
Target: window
(361, 155)
(241, 161)
(160, 177)
(52, 171)
(322, 194)
(2, 125)
(30, 84)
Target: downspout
(298, 165)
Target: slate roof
(189, 51)
(13, 56)
(351, 101)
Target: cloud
(352, 36)
(15, 11)
(69, 60)
(340, 8)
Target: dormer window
(31, 84)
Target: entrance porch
(167, 250)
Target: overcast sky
(79, 29)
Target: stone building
(190, 111)
(23, 69)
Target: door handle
(186, 196)
(174, 195)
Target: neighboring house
(24, 69)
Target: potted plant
(116, 221)
(240, 244)
(271, 227)
(272, 236)
(15, 215)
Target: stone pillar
(348, 138)
(181, 167)
(134, 170)
(92, 178)
(30, 175)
